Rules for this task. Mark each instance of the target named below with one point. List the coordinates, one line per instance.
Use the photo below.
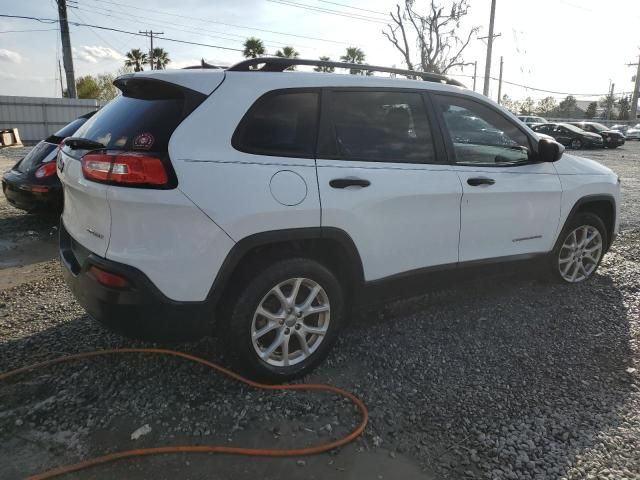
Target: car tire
(576, 144)
(282, 318)
(573, 259)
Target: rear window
(143, 118)
(42, 151)
(281, 123)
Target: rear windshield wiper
(76, 143)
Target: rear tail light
(46, 170)
(129, 168)
(108, 279)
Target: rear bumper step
(140, 310)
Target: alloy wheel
(290, 322)
(580, 254)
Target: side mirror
(549, 150)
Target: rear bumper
(139, 310)
(19, 192)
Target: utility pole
(610, 106)
(61, 87)
(66, 49)
(487, 66)
(500, 83)
(634, 98)
(475, 71)
(150, 34)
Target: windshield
(573, 128)
(599, 127)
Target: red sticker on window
(144, 141)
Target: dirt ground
(514, 379)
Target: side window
(280, 123)
(377, 126)
(480, 135)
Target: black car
(570, 135)
(32, 184)
(612, 138)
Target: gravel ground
(515, 379)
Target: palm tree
(324, 58)
(136, 58)
(253, 48)
(160, 58)
(354, 55)
(288, 52)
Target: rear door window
(281, 123)
(376, 126)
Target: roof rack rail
(279, 64)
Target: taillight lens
(108, 279)
(130, 168)
(46, 170)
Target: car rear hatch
(136, 126)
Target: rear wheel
(576, 144)
(285, 321)
(580, 249)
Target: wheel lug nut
(297, 326)
(287, 331)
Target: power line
(355, 8)
(329, 11)
(78, 24)
(146, 10)
(33, 30)
(173, 26)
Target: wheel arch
(331, 246)
(602, 205)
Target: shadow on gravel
(500, 376)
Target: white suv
(263, 203)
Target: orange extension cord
(138, 452)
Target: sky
(567, 46)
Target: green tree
(324, 69)
(106, 89)
(354, 55)
(87, 87)
(288, 52)
(624, 108)
(608, 102)
(526, 106)
(546, 105)
(100, 87)
(511, 105)
(160, 58)
(253, 48)
(567, 107)
(591, 110)
(136, 59)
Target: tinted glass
(127, 123)
(377, 126)
(42, 151)
(480, 135)
(282, 124)
(69, 129)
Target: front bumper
(139, 310)
(613, 141)
(19, 191)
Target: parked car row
(631, 132)
(581, 134)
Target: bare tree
(435, 35)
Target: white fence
(38, 117)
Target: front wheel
(285, 321)
(576, 144)
(580, 249)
